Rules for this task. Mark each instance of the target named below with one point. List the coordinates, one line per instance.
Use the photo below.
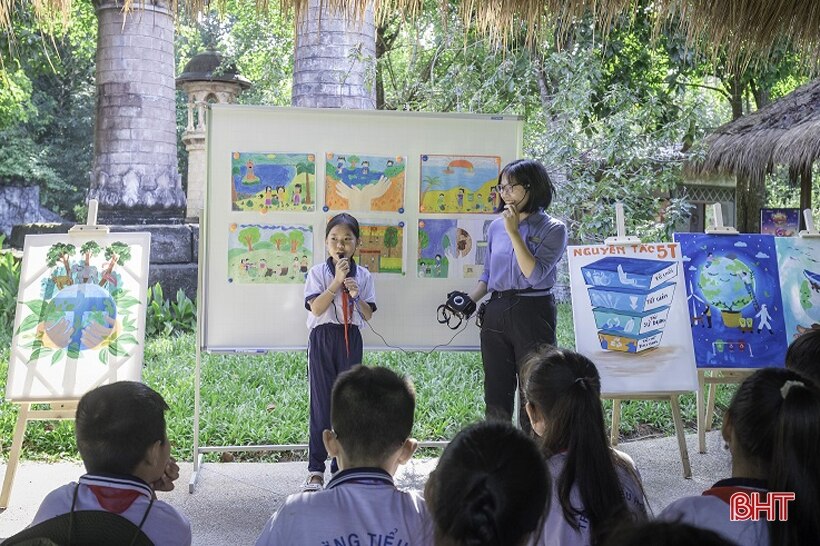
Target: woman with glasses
(524, 246)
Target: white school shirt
(556, 530)
(711, 511)
(320, 277)
(124, 495)
(359, 506)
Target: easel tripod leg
(14, 454)
(681, 434)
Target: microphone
(341, 256)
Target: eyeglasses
(506, 188)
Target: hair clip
(784, 390)
(582, 381)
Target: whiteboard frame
(401, 311)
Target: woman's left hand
(352, 287)
(510, 215)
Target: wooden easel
(674, 404)
(671, 397)
(58, 410)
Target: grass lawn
(264, 399)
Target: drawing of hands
(360, 198)
(95, 333)
(59, 332)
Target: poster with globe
(734, 300)
(798, 262)
(80, 318)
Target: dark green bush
(164, 317)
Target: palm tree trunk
(334, 59)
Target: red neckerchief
(724, 489)
(113, 499)
(347, 313)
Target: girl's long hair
(490, 488)
(565, 388)
(775, 420)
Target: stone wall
(21, 205)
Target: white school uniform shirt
(556, 530)
(319, 278)
(711, 511)
(359, 506)
(127, 496)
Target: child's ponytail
(565, 388)
(793, 467)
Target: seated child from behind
(371, 412)
(122, 440)
(803, 355)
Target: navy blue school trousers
(327, 358)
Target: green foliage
(47, 105)
(9, 285)
(165, 317)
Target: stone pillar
(200, 94)
(135, 175)
(335, 59)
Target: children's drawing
(263, 182)
(628, 304)
(452, 249)
(80, 318)
(798, 262)
(269, 253)
(381, 247)
(780, 222)
(364, 182)
(733, 299)
(459, 183)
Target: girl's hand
(342, 269)
(510, 215)
(352, 287)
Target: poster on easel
(80, 318)
(628, 306)
(798, 262)
(783, 222)
(734, 300)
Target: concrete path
(233, 501)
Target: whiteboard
(251, 304)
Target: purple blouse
(546, 238)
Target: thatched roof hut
(785, 132)
(743, 30)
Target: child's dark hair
(344, 219)
(116, 424)
(490, 488)
(533, 176)
(371, 410)
(774, 419)
(664, 533)
(564, 388)
(803, 355)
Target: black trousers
(327, 358)
(513, 326)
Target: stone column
(335, 59)
(135, 175)
(200, 94)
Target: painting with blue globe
(80, 314)
(734, 300)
